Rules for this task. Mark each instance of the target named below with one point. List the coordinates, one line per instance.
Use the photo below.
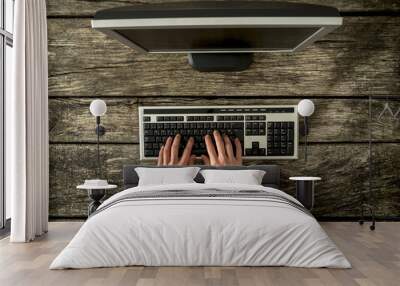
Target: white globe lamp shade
(305, 107)
(98, 107)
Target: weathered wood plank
(343, 168)
(70, 165)
(89, 7)
(71, 121)
(360, 58)
(335, 120)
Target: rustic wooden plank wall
(360, 59)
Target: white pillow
(247, 177)
(166, 176)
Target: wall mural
(339, 73)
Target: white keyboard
(266, 132)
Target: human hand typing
(220, 155)
(223, 154)
(169, 152)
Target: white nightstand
(305, 190)
(95, 193)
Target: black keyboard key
(155, 146)
(213, 125)
(146, 126)
(160, 118)
(179, 118)
(290, 135)
(248, 152)
(200, 125)
(227, 125)
(210, 118)
(240, 117)
(255, 125)
(291, 125)
(146, 118)
(290, 149)
(255, 145)
(261, 152)
(237, 125)
(149, 139)
(277, 125)
(148, 132)
(148, 153)
(261, 131)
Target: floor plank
(375, 257)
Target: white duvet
(200, 231)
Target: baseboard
(5, 231)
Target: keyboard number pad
(255, 128)
(280, 138)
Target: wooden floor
(375, 257)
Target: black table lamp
(98, 108)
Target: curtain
(27, 120)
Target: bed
(201, 224)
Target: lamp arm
(305, 137)
(98, 146)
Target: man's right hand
(223, 154)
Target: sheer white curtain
(27, 119)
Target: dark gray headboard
(271, 178)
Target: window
(6, 45)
